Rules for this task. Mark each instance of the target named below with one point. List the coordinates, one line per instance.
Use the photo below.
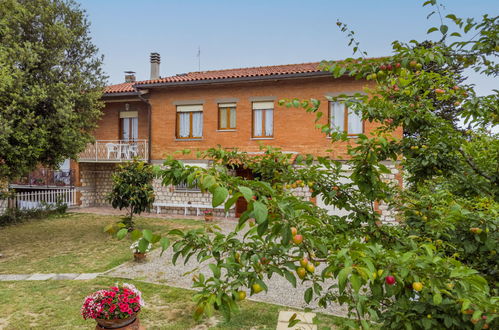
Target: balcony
(114, 151)
(45, 178)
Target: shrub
(14, 216)
(132, 189)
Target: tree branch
(472, 164)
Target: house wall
(95, 183)
(294, 129)
(109, 125)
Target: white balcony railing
(111, 151)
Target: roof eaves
(120, 94)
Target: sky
(235, 34)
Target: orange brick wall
(109, 125)
(294, 129)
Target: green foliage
(132, 189)
(438, 268)
(15, 216)
(50, 84)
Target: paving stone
(14, 277)
(306, 320)
(87, 276)
(40, 277)
(65, 276)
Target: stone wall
(3, 205)
(168, 194)
(388, 214)
(96, 183)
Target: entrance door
(241, 203)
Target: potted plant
(139, 255)
(208, 215)
(114, 308)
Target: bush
(15, 216)
(132, 189)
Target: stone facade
(96, 183)
(388, 214)
(3, 205)
(171, 195)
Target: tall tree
(50, 84)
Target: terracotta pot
(116, 323)
(139, 257)
(208, 217)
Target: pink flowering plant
(208, 212)
(118, 302)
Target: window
(189, 121)
(226, 116)
(185, 187)
(263, 119)
(129, 125)
(345, 120)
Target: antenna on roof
(199, 58)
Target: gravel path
(159, 269)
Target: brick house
(198, 110)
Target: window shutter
(263, 105)
(189, 108)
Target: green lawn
(71, 243)
(56, 305)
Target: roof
(119, 88)
(260, 71)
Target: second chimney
(129, 76)
(155, 61)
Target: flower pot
(130, 322)
(208, 217)
(139, 257)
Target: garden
(76, 243)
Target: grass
(71, 243)
(56, 305)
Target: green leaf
(430, 30)
(136, 234)
(143, 245)
(342, 278)
(177, 232)
(216, 271)
(122, 233)
(165, 243)
(437, 298)
(247, 193)
(219, 196)
(308, 295)
(147, 234)
(262, 228)
(356, 282)
(290, 277)
(260, 211)
(444, 28)
(208, 181)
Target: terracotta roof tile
(119, 88)
(239, 73)
(221, 74)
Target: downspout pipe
(149, 126)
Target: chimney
(155, 61)
(129, 76)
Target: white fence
(37, 199)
